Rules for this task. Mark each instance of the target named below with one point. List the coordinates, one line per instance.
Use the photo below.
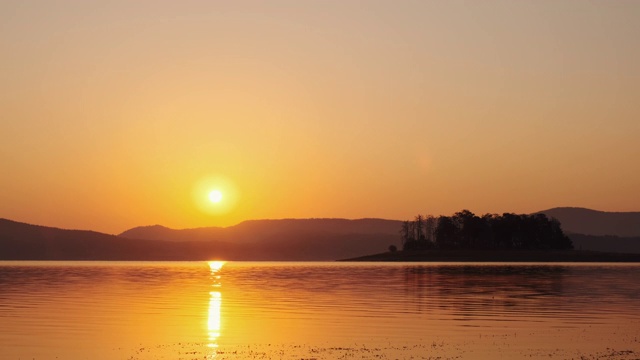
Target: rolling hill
(599, 230)
(290, 240)
(286, 239)
(598, 223)
(20, 241)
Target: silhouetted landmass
(599, 230)
(159, 232)
(435, 255)
(279, 232)
(593, 222)
(300, 240)
(466, 237)
(467, 231)
(19, 241)
(290, 239)
(269, 230)
(606, 243)
(286, 239)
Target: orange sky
(116, 114)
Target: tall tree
(418, 227)
(430, 224)
(446, 233)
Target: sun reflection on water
(215, 304)
(216, 266)
(213, 324)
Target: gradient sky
(115, 114)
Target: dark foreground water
(199, 310)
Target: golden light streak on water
(214, 321)
(215, 303)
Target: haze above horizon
(119, 114)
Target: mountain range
(594, 222)
(286, 239)
(599, 230)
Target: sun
(215, 196)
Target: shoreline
(499, 256)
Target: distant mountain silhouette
(600, 230)
(305, 239)
(288, 239)
(20, 241)
(159, 232)
(593, 222)
(290, 230)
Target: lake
(245, 310)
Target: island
(466, 237)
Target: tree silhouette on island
(467, 231)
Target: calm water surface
(199, 310)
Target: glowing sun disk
(215, 196)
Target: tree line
(465, 230)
